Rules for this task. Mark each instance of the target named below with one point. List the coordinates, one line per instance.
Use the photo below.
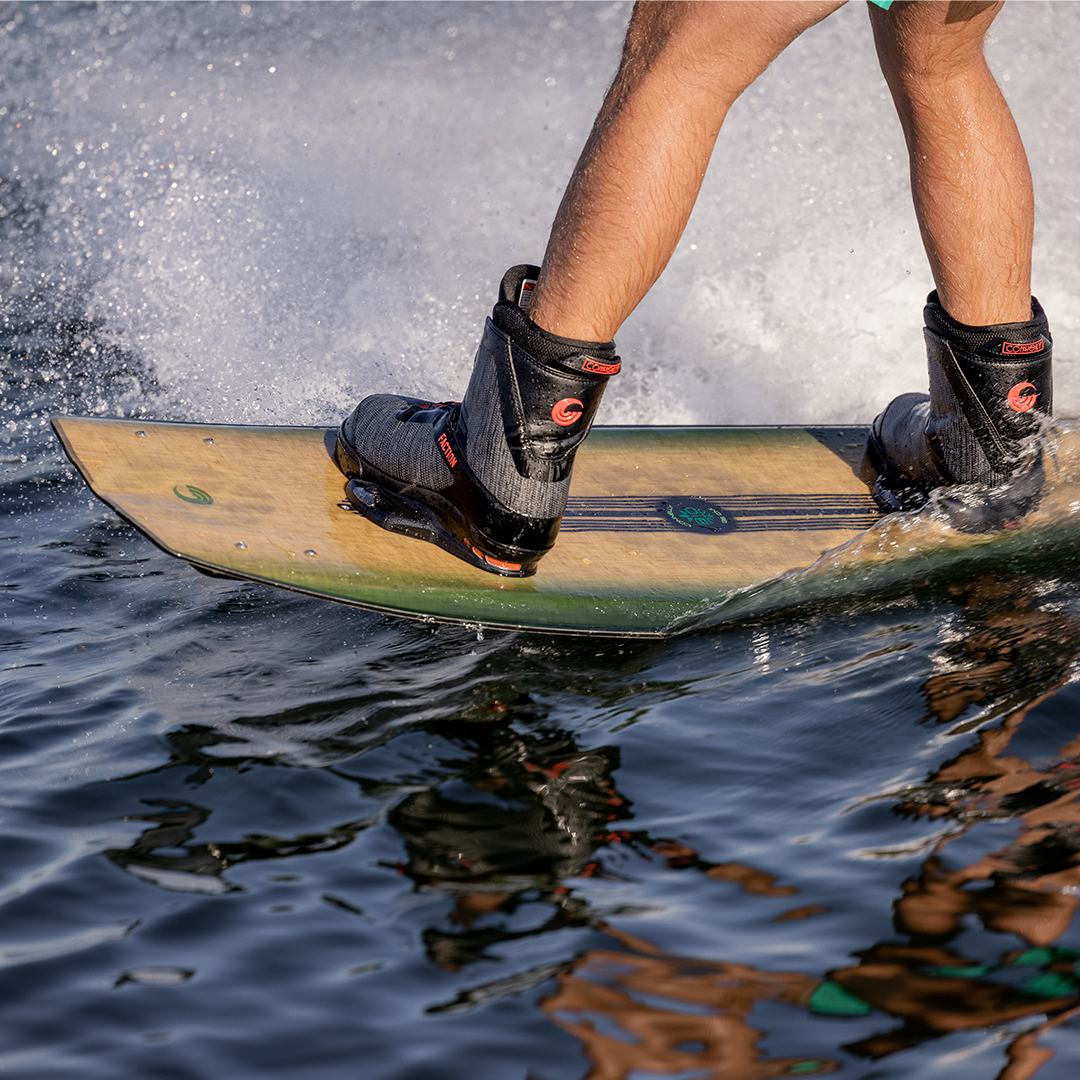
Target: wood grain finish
(262, 503)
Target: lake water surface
(248, 834)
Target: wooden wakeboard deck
(661, 520)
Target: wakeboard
(662, 523)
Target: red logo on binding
(567, 412)
(447, 452)
(1022, 397)
(1013, 348)
(597, 367)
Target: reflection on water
(640, 1010)
(165, 856)
(609, 999)
(514, 816)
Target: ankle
(994, 337)
(540, 343)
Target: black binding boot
(485, 478)
(990, 395)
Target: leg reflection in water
(612, 1000)
(522, 814)
(1029, 889)
(525, 813)
(523, 810)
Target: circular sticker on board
(196, 495)
(697, 516)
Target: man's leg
(487, 478)
(628, 201)
(988, 343)
(969, 174)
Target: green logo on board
(697, 516)
(197, 496)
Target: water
(251, 834)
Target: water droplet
(312, 552)
(241, 544)
(209, 442)
(141, 434)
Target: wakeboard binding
(485, 478)
(991, 394)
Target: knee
(727, 43)
(924, 42)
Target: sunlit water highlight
(249, 834)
